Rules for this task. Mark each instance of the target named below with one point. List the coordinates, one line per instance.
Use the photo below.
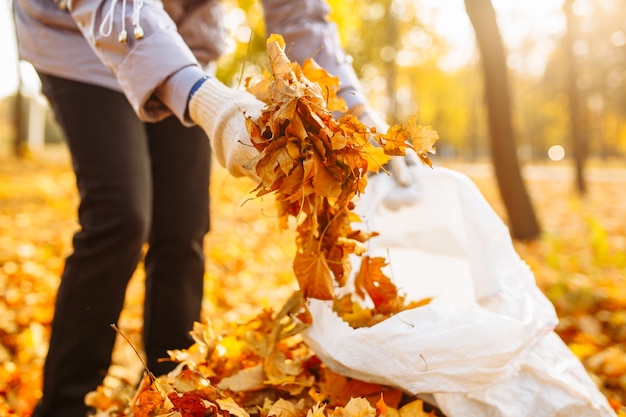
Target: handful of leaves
(316, 166)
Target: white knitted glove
(403, 169)
(221, 112)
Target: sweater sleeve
(309, 34)
(143, 64)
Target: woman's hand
(222, 112)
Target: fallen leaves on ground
(579, 262)
(256, 368)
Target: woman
(130, 84)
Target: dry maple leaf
(313, 274)
(421, 138)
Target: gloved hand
(221, 112)
(403, 169)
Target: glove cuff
(208, 101)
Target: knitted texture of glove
(221, 112)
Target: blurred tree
(600, 52)
(577, 129)
(522, 219)
(19, 119)
(395, 55)
(450, 102)
(597, 43)
(398, 59)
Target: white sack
(485, 345)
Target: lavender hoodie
(175, 42)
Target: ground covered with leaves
(580, 263)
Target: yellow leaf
(359, 407)
(276, 38)
(415, 409)
(284, 408)
(248, 379)
(354, 314)
(317, 411)
(329, 84)
(376, 157)
(353, 245)
(232, 407)
(278, 370)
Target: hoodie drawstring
(106, 27)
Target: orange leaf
(411, 135)
(147, 402)
(329, 84)
(381, 407)
(371, 280)
(313, 276)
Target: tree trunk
(391, 40)
(577, 133)
(19, 141)
(522, 220)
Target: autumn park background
(543, 138)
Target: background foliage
(579, 262)
(400, 59)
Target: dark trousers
(138, 183)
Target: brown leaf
(188, 404)
(324, 183)
(313, 276)
(317, 165)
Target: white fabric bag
(485, 345)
